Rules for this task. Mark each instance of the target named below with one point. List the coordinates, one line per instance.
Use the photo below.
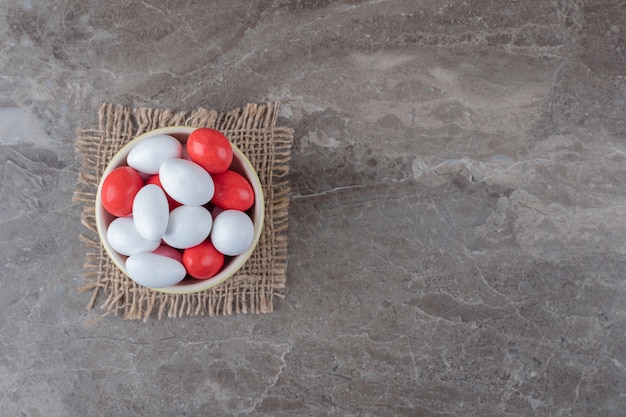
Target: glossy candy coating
(203, 261)
(233, 232)
(210, 149)
(188, 226)
(232, 191)
(150, 153)
(126, 240)
(154, 271)
(151, 212)
(186, 182)
(119, 189)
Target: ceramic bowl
(240, 164)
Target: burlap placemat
(253, 289)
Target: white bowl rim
(237, 261)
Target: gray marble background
(457, 242)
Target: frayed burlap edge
(253, 290)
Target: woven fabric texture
(253, 289)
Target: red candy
(170, 201)
(170, 252)
(232, 191)
(203, 261)
(210, 149)
(119, 190)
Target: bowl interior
(240, 164)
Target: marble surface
(457, 243)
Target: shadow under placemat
(253, 289)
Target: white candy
(186, 182)
(151, 212)
(148, 155)
(188, 226)
(126, 240)
(154, 271)
(232, 233)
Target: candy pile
(178, 214)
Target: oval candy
(126, 240)
(232, 232)
(148, 155)
(186, 182)
(210, 149)
(154, 271)
(203, 261)
(232, 191)
(188, 226)
(119, 188)
(151, 212)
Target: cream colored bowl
(240, 164)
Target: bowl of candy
(179, 209)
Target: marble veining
(457, 223)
